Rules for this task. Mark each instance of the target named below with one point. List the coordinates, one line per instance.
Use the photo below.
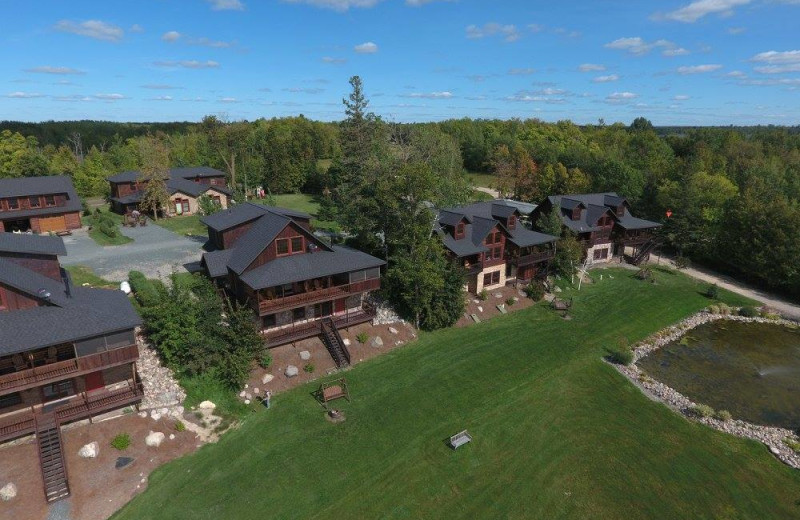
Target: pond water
(750, 369)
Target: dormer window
(512, 222)
(620, 212)
(34, 201)
(13, 203)
(50, 200)
(459, 230)
(576, 213)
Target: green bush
(179, 426)
(713, 309)
(265, 360)
(121, 441)
(748, 312)
(793, 444)
(682, 262)
(309, 368)
(712, 291)
(534, 291)
(483, 295)
(109, 229)
(702, 410)
(510, 302)
(144, 290)
(622, 355)
(362, 337)
(724, 309)
(723, 415)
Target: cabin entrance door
(94, 381)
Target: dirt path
(784, 307)
(490, 191)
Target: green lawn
(305, 203)
(184, 225)
(81, 274)
(557, 432)
(100, 237)
(483, 180)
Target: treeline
(733, 192)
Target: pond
(750, 369)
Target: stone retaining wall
(772, 437)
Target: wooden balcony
(78, 407)
(309, 330)
(320, 295)
(493, 262)
(533, 258)
(52, 372)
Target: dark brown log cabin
(490, 241)
(269, 258)
(39, 204)
(604, 225)
(66, 353)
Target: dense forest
(734, 193)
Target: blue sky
(674, 62)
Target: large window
(491, 278)
(7, 401)
(283, 246)
(297, 244)
(268, 321)
(299, 314)
(49, 200)
(460, 229)
(600, 254)
(58, 390)
(512, 222)
(34, 201)
(13, 203)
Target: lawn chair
(460, 439)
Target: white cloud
(678, 51)
(73, 97)
(778, 69)
(777, 57)
(547, 95)
(638, 46)
(736, 30)
(47, 69)
(591, 67)
(226, 5)
(476, 98)
(535, 27)
(694, 11)
(681, 97)
(96, 29)
(430, 95)
(508, 32)
(521, 72)
(606, 79)
(171, 36)
(619, 98)
(207, 42)
(366, 48)
(228, 100)
(24, 95)
(187, 64)
(736, 74)
(136, 28)
(304, 90)
(162, 98)
(417, 3)
(109, 97)
(698, 69)
(337, 5)
(160, 86)
(333, 61)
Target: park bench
(331, 390)
(460, 439)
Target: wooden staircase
(644, 251)
(333, 342)
(51, 457)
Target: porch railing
(307, 330)
(533, 258)
(319, 295)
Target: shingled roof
(47, 185)
(241, 213)
(595, 205)
(65, 313)
(174, 173)
(31, 244)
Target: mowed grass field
(557, 432)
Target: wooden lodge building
(66, 353)
(604, 224)
(297, 285)
(184, 185)
(39, 204)
(492, 244)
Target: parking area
(155, 251)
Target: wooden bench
(334, 390)
(460, 439)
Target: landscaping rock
(346, 342)
(291, 371)
(172, 436)
(498, 295)
(256, 391)
(154, 439)
(376, 342)
(248, 396)
(143, 414)
(247, 401)
(89, 451)
(161, 389)
(155, 415)
(8, 492)
(557, 289)
(393, 330)
(267, 378)
(305, 355)
(206, 405)
(122, 462)
(242, 393)
(480, 309)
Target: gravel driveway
(155, 251)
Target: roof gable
(31, 244)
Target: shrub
(724, 308)
(682, 262)
(108, 229)
(534, 291)
(362, 337)
(623, 355)
(265, 360)
(483, 295)
(793, 444)
(309, 368)
(723, 415)
(748, 312)
(121, 441)
(143, 289)
(179, 426)
(510, 302)
(713, 309)
(712, 291)
(702, 410)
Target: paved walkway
(784, 307)
(155, 251)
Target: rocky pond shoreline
(774, 438)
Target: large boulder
(346, 342)
(305, 355)
(89, 451)
(154, 439)
(291, 371)
(376, 342)
(267, 378)
(393, 330)
(206, 405)
(8, 492)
